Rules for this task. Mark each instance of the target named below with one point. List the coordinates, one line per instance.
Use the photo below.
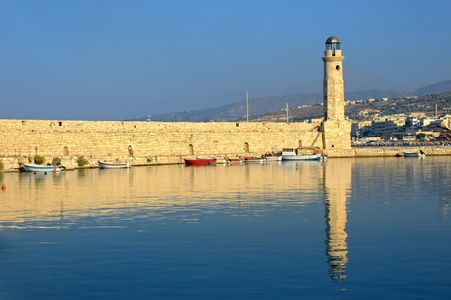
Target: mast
(247, 106)
(288, 114)
(288, 120)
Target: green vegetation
(82, 161)
(2, 166)
(420, 136)
(39, 160)
(149, 159)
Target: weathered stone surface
(164, 143)
(336, 129)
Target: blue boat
(38, 168)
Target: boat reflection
(156, 193)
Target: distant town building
(388, 126)
(368, 111)
(412, 123)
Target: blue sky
(113, 60)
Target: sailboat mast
(247, 106)
(287, 113)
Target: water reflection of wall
(337, 183)
(156, 192)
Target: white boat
(39, 168)
(220, 160)
(292, 154)
(273, 157)
(414, 154)
(112, 165)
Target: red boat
(200, 161)
(233, 160)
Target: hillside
(404, 105)
(407, 105)
(276, 105)
(439, 88)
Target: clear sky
(113, 60)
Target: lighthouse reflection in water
(337, 180)
(374, 227)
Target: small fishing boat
(273, 157)
(200, 161)
(253, 159)
(220, 160)
(414, 154)
(233, 160)
(112, 165)
(291, 154)
(39, 168)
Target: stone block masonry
(141, 142)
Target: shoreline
(354, 152)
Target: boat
(200, 161)
(273, 157)
(39, 168)
(229, 160)
(234, 161)
(414, 154)
(249, 159)
(292, 154)
(112, 165)
(220, 160)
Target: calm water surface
(367, 228)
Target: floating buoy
(54, 171)
(3, 187)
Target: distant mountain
(265, 105)
(437, 88)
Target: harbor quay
(388, 151)
(158, 143)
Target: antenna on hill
(247, 106)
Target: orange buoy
(54, 171)
(3, 187)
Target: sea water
(365, 228)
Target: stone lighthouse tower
(336, 130)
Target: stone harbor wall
(152, 143)
(142, 143)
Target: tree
(420, 136)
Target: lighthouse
(336, 129)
